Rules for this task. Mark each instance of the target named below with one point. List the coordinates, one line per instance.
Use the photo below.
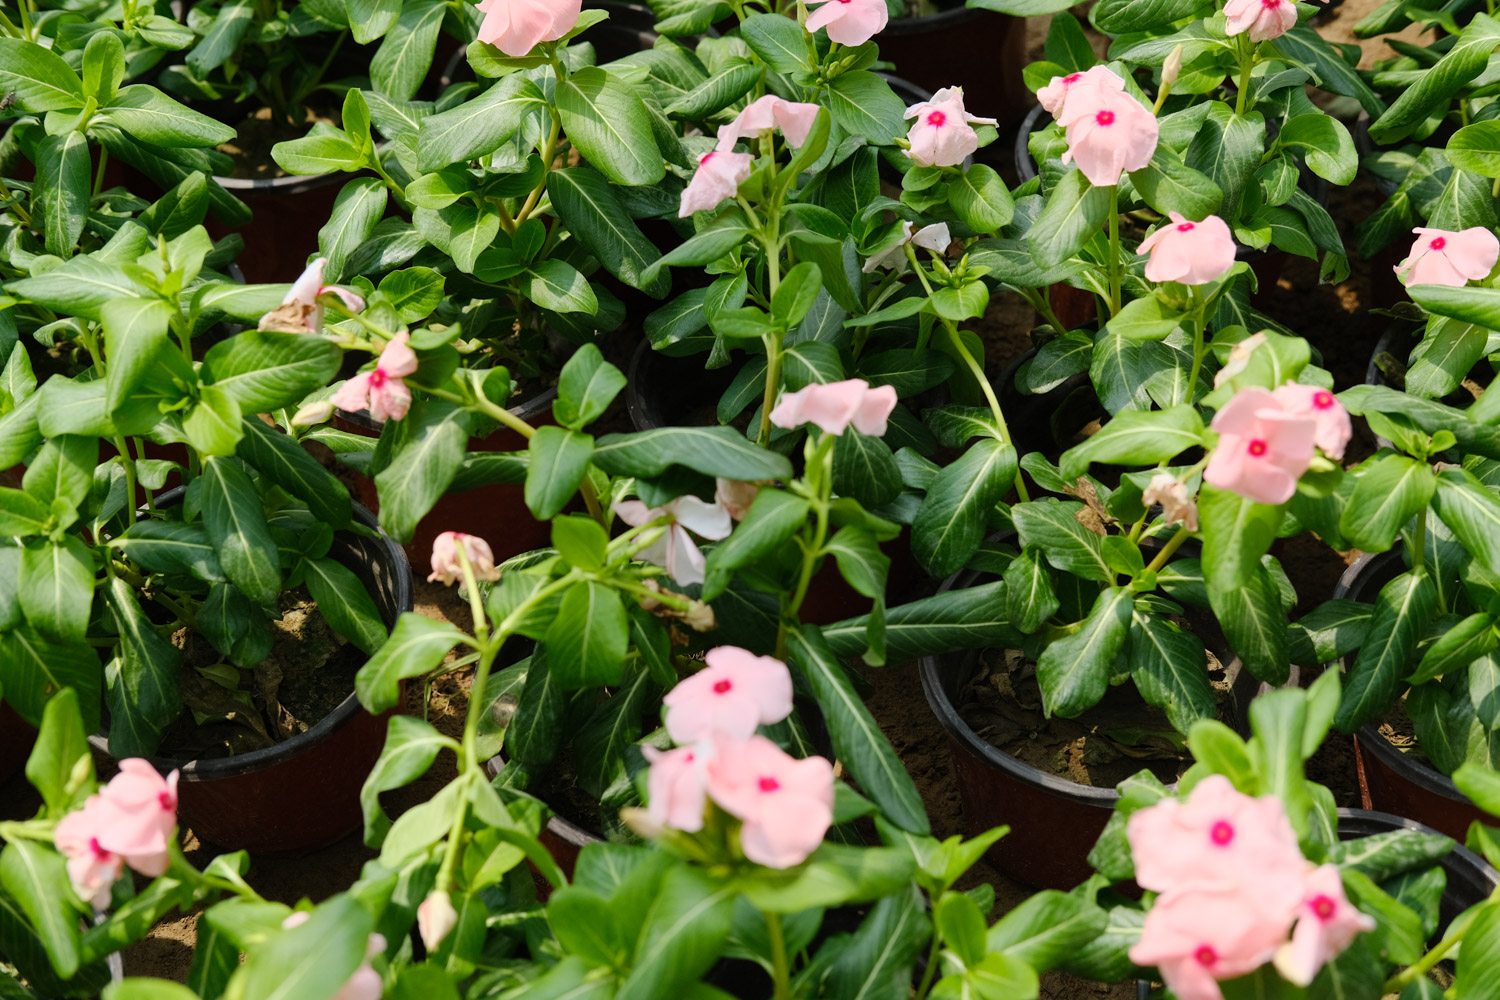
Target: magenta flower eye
(769, 784)
(1324, 908)
(1185, 227)
(722, 686)
(1206, 956)
(1222, 833)
(1437, 243)
(1257, 448)
(1323, 400)
(937, 119)
(1105, 118)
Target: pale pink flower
(129, 821)
(718, 177)
(795, 119)
(1334, 427)
(1053, 96)
(1327, 923)
(366, 983)
(934, 237)
(849, 22)
(786, 804)
(515, 26)
(301, 310)
(728, 698)
(836, 405)
(677, 786)
(1192, 253)
(735, 496)
(675, 549)
(382, 390)
(1200, 936)
(1264, 19)
(1263, 450)
(942, 135)
(1441, 257)
(436, 917)
(1108, 131)
(1217, 836)
(446, 566)
(1178, 507)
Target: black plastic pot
(1389, 780)
(979, 50)
(1470, 879)
(301, 794)
(1054, 822)
(497, 513)
(1049, 422)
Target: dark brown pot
(979, 50)
(16, 740)
(1389, 780)
(498, 514)
(302, 794)
(289, 211)
(1054, 822)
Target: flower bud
(435, 918)
(313, 414)
(1172, 67)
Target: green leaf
(479, 126)
(1074, 211)
(34, 667)
(345, 603)
(981, 199)
(773, 518)
(559, 461)
(1073, 671)
(314, 959)
(1387, 493)
(1464, 61)
(224, 34)
(320, 153)
(417, 646)
(968, 618)
(152, 117)
(61, 193)
(1029, 597)
(857, 739)
(1171, 670)
(1250, 613)
(63, 470)
(587, 642)
(370, 19)
(778, 40)
(864, 105)
(1332, 629)
(284, 461)
(405, 56)
(863, 468)
(411, 745)
(713, 451)
(601, 742)
(143, 693)
(1052, 527)
(1327, 146)
(1471, 510)
(139, 988)
(61, 747)
(37, 879)
(56, 586)
(724, 86)
(610, 126)
(171, 547)
(536, 730)
(1169, 184)
(1459, 646)
(591, 210)
(683, 934)
(356, 210)
(1136, 437)
(1228, 148)
(433, 440)
(585, 388)
(1047, 928)
(950, 523)
(237, 527)
(879, 958)
(1397, 624)
(1236, 534)
(1452, 349)
(38, 77)
(264, 371)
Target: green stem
(122, 445)
(780, 968)
(1200, 321)
(1247, 66)
(1038, 299)
(1116, 277)
(931, 971)
(99, 174)
(1455, 934)
(772, 340)
(989, 394)
(1419, 541)
(1172, 546)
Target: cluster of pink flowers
(516, 26)
(720, 173)
(785, 805)
(834, 406)
(1442, 257)
(1232, 883)
(382, 391)
(301, 310)
(1267, 439)
(448, 569)
(943, 134)
(128, 822)
(1108, 130)
(1192, 253)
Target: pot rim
(526, 410)
(899, 26)
(1369, 737)
(1383, 822)
(290, 184)
(211, 769)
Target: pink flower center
(100, 854)
(1071, 79)
(1185, 227)
(937, 119)
(1257, 448)
(722, 686)
(769, 784)
(378, 378)
(1323, 908)
(1222, 833)
(1206, 956)
(1105, 118)
(689, 757)
(168, 801)
(1270, 4)
(1323, 400)
(705, 159)
(1438, 242)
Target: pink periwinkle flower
(677, 786)
(366, 983)
(1216, 836)
(301, 310)
(436, 917)
(1108, 131)
(1333, 425)
(515, 26)
(382, 390)
(718, 177)
(836, 405)
(676, 549)
(794, 118)
(1054, 95)
(735, 496)
(1327, 923)
(1264, 19)
(1192, 253)
(849, 22)
(1263, 449)
(1441, 257)
(727, 699)
(129, 821)
(942, 135)
(1199, 936)
(446, 566)
(935, 237)
(786, 804)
